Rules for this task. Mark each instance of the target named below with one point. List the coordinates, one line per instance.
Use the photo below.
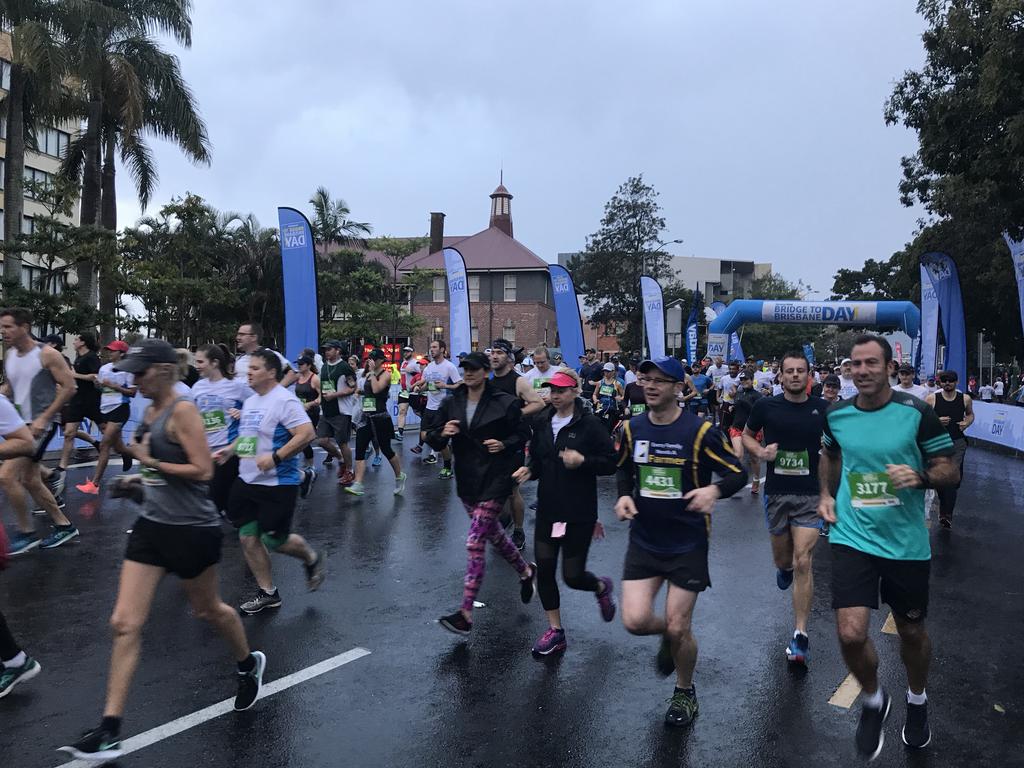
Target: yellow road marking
(846, 693)
(889, 627)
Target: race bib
(110, 391)
(326, 385)
(869, 490)
(606, 390)
(796, 463)
(431, 386)
(637, 408)
(539, 383)
(214, 421)
(369, 404)
(661, 482)
(151, 477)
(246, 447)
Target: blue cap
(667, 365)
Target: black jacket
(570, 495)
(480, 475)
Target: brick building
(509, 285)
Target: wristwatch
(277, 459)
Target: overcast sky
(760, 123)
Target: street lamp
(643, 269)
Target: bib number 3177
(871, 490)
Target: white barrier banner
(1002, 424)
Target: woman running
(116, 391)
(376, 425)
(307, 389)
(353, 360)
(178, 532)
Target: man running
(666, 459)
(274, 429)
(338, 405)
(407, 372)
(905, 374)
(743, 403)
(880, 450)
(590, 373)
(792, 425)
(39, 384)
(956, 412)
(439, 376)
(486, 430)
(248, 339)
(847, 387)
(541, 373)
(85, 403)
(727, 387)
(116, 392)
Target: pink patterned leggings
(484, 527)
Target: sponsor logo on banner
(293, 236)
(717, 343)
(837, 313)
(560, 284)
(939, 270)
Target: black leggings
(223, 478)
(314, 416)
(376, 428)
(8, 648)
(574, 545)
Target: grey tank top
(171, 500)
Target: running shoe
(328, 459)
(783, 578)
(308, 478)
(799, 649)
(945, 522)
(682, 708)
(755, 487)
(12, 676)
(250, 683)
(89, 487)
(417, 449)
(22, 542)
(916, 732)
(823, 531)
(606, 599)
(519, 539)
(552, 641)
(95, 747)
(431, 459)
(533, 507)
(526, 585)
(400, 483)
(57, 481)
(398, 437)
(870, 731)
(456, 622)
(62, 534)
(346, 478)
(261, 601)
(377, 461)
(664, 661)
(356, 489)
(445, 474)
(316, 573)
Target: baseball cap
(528, 361)
(743, 376)
(119, 346)
(831, 381)
(333, 343)
(845, 361)
(408, 349)
(146, 353)
(503, 345)
(377, 354)
(667, 365)
(304, 359)
(906, 368)
(589, 350)
(608, 367)
(560, 379)
(476, 361)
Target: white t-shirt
(214, 399)
(10, 419)
(408, 370)
(630, 377)
(242, 366)
(266, 421)
(986, 391)
(776, 389)
(764, 380)
(434, 374)
(847, 389)
(557, 422)
(716, 372)
(998, 388)
(918, 391)
(112, 398)
(728, 384)
(536, 377)
(181, 389)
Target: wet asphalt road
(424, 697)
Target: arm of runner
(54, 362)
(600, 456)
(716, 456)
(936, 448)
(435, 437)
(520, 432)
(968, 413)
(380, 382)
(17, 442)
(289, 377)
(532, 402)
(830, 467)
(755, 423)
(314, 382)
(302, 433)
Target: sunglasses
(947, 381)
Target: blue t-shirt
(701, 382)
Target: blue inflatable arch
(890, 314)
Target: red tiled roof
(489, 249)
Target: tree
(396, 251)
(877, 281)
(332, 223)
(627, 245)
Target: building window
(510, 288)
(474, 337)
(28, 225)
(437, 334)
(5, 74)
(474, 287)
(36, 176)
(508, 332)
(439, 288)
(33, 279)
(52, 141)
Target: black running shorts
(688, 570)
(270, 506)
(857, 579)
(184, 550)
(119, 415)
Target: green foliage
(331, 221)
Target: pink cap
(117, 346)
(560, 379)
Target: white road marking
(173, 728)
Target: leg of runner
(916, 651)
(11, 472)
(364, 436)
(861, 659)
(518, 516)
(111, 437)
(15, 665)
(947, 496)
(403, 409)
(792, 549)
(71, 433)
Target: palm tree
(331, 222)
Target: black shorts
(224, 476)
(338, 427)
(430, 420)
(857, 579)
(688, 570)
(43, 441)
(119, 415)
(77, 411)
(269, 506)
(184, 550)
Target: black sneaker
(945, 522)
(526, 585)
(94, 746)
(456, 622)
(308, 478)
(316, 573)
(682, 709)
(519, 539)
(664, 661)
(870, 733)
(916, 732)
(328, 459)
(261, 601)
(250, 683)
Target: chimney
(436, 232)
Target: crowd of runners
(226, 439)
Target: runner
(376, 422)
(792, 425)
(116, 392)
(880, 450)
(273, 430)
(702, 384)
(568, 451)
(727, 387)
(665, 494)
(178, 531)
(847, 387)
(250, 338)
(634, 401)
(764, 379)
(39, 384)
(541, 372)
(307, 389)
(219, 396)
(743, 402)
(85, 403)
(830, 388)
(956, 412)
(607, 397)
(986, 392)
(486, 430)
(590, 374)
(439, 376)
(905, 374)
(506, 380)
(998, 389)
(408, 370)
(337, 408)
(16, 666)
